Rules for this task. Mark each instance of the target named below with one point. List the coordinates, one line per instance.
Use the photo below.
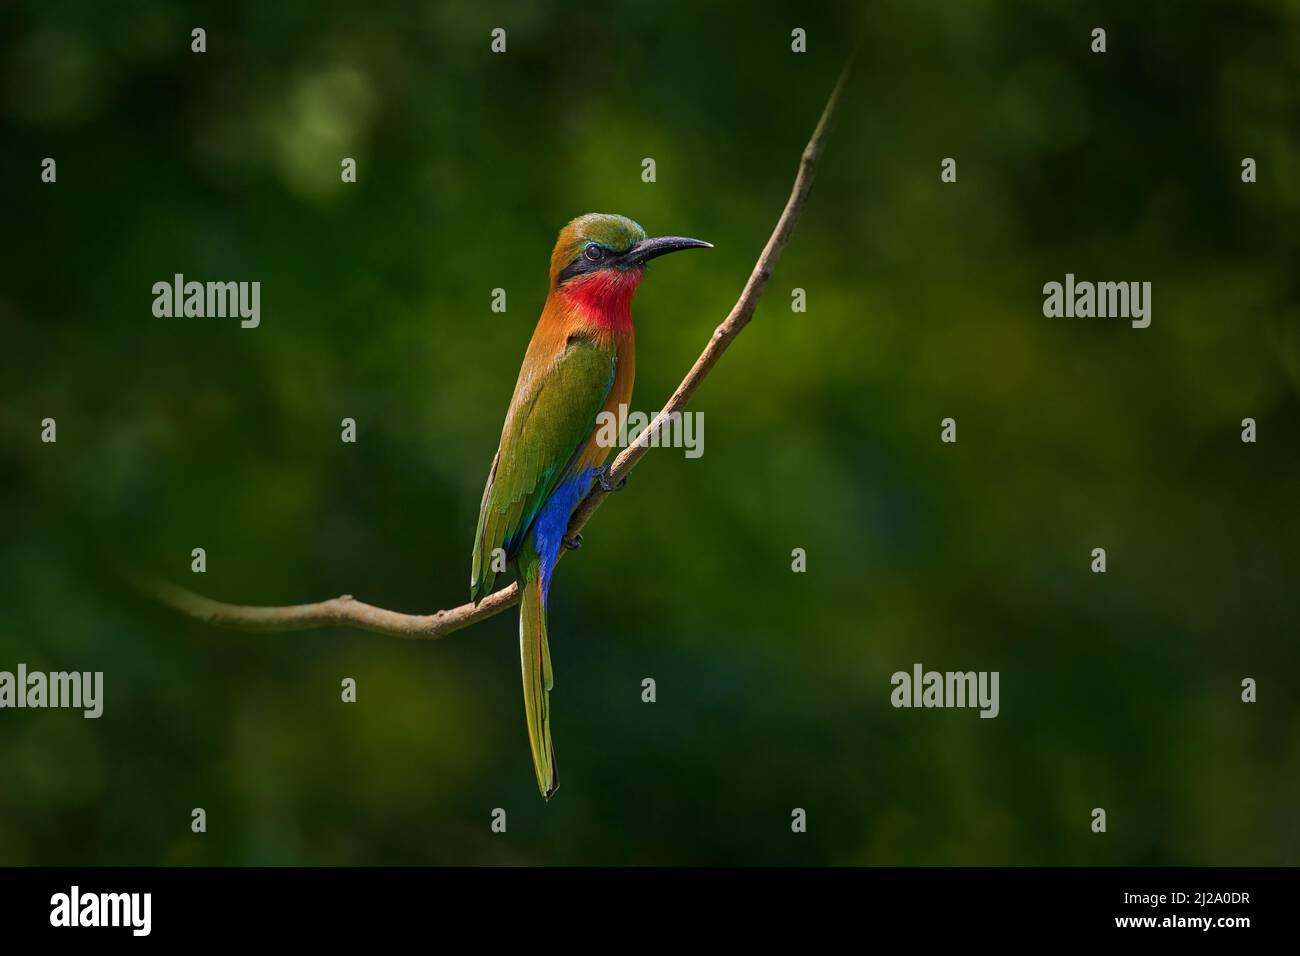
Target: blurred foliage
(822, 431)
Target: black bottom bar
(331, 905)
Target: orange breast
(619, 402)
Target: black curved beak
(648, 249)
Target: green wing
(550, 419)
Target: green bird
(581, 362)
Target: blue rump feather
(553, 521)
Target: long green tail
(535, 661)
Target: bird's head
(600, 258)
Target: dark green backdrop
(821, 431)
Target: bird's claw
(602, 479)
(573, 543)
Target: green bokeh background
(821, 431)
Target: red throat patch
(605, 297)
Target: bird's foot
(574, 543)
(602, 479)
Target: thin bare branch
(346, 611)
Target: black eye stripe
(577, 267)
(590, 259)
(593, 257)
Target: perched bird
(580, 362)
